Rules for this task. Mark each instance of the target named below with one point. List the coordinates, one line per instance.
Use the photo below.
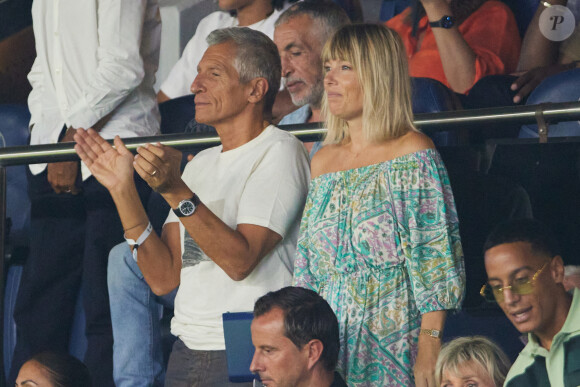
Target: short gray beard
(314, 98)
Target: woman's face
(343, 90)
(33, 374)
(469, 374)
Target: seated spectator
(295, 333)
(259, 15)
(471, 361)
(540, 58)
(458, 42)
(301, 32)
(525, 276)
(51, 369)
(232, 240)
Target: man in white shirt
(259, 15)
(235, 238)
(95, 67)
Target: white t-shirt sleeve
(275, 193)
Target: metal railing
(543, 115)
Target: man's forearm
(155, 258)
(236, 252)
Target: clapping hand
(159, 166)
(111, 166)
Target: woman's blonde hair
(378, 56)
(483, 352)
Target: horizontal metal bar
(429, 122)
(553, 112)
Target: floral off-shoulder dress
(381, 244)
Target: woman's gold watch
(431, 332)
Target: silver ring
(154, 172)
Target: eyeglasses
(520, 286)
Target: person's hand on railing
(112, 167)
(159, 166)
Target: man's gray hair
(256, 56)
(328, 15)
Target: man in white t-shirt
(258, 15)
(232, 240)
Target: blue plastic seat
(239, 347)
(391, 8)
(14, 131)
(561, 87)
(431, 96)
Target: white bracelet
(139, 240)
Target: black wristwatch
(445, 22)
(187, 207)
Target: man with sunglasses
(525, 277)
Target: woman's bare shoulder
(322, 161)
(414, 141)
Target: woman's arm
(429, 348)
(457, 58)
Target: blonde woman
(471, 361)
(379, 238)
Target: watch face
(447, 22)
(187, 207)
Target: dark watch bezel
(184, 204)
(445, 22)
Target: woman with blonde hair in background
(471, 361)
(379, 237)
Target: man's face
(277, 360)
(299, 45)
(511, 263)
(219, 95)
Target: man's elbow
(239, 274)
(162, 289)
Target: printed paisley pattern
(381, 244)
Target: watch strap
(196, 202)
(136, 243)
(436, 334)
(445, 22)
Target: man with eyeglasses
(525, 277)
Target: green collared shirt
(560, 366)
